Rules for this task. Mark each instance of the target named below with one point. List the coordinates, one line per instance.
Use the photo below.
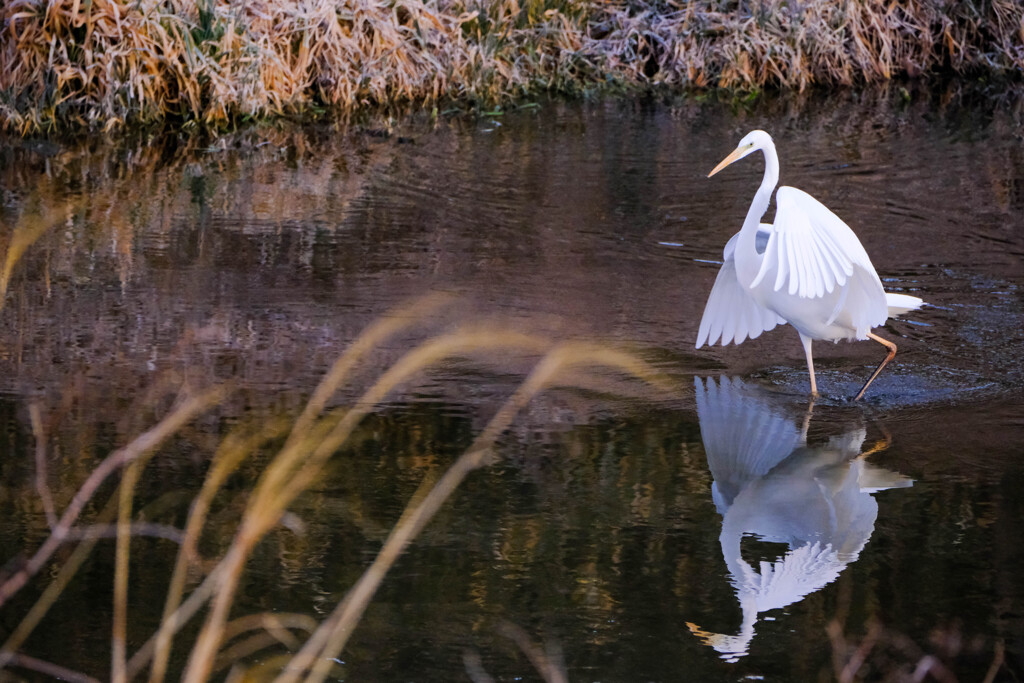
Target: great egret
(770, 484)
(807, 269)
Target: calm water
(721, 532)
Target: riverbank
(70, 65)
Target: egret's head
(751, 142)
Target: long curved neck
(748, 261)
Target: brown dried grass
(104, 63)
(318, 434)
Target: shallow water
(713, 532)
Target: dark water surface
(718, 532)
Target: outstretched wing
(811, 250)
(744, 435)
(731, 313)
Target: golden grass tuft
(104, 63)
(307, 444)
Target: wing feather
(844, 291)
(807, 287)
(814, 250)
(842, 262)
(794, 263)
(867, 301)
(731, 313)
(836, 262)
(770, 319)
(828, 271)
(776, 240)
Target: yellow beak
(736, 154)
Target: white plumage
(770, 484)
(807, 269)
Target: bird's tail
(901, 303)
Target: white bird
(770, 484)
(807, 269)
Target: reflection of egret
(770, 484)
(807, 269)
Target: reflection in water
(768, 483)
(257, 262)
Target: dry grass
(307, 444)
(104, 63)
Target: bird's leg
(807, 421)
(810, 363)
(892, 353)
